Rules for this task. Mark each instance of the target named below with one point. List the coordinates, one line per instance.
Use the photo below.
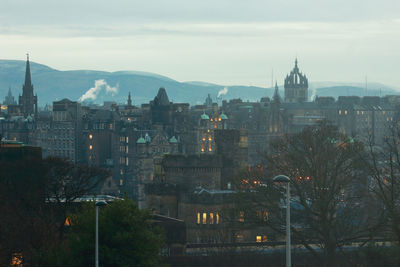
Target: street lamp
(286, 180)
(98, 204)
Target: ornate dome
(295, 77)
(204, 116)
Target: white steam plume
(99, 85)
(223, 92)
(313, 95)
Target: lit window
(198, 218)
(16, 259)
(209, 138)
(202, 149)
(90, 147)
(127, 149)
(219, 119)
(127, 162)
(216, 218)
(121, 181)
(204, 218)
(215, 126)
(239, 237)
(90, 136)
(345, 112)
(340, 112)
(204, 138)
(258, 239)
(241, 216)
(211, 218)
(265, 217)
(210, 149)
(127, 139)
(265, 238)
(67, 222)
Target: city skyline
(224, 43)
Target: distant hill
(51, 84)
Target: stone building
(60, 134)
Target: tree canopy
(126, 237)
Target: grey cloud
(90, 12)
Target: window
(204, 218)
(211, 218)
(241, 216)
(90, 136)
(121, 181)
(90, 147)
(265, 217)
(198, 218)
(127, 139)
(16, 259)
(258, 239)
(216, 218)
(67, 222)
(127, 162)
(239, 237)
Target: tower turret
(296, 86)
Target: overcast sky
(221, 41)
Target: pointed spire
(129, 99)
(276, 98)
(28, 80)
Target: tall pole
(97, 237)
(288, 256)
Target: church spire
(129, 99)
(28, 80)
(276, 98)
(28, 101)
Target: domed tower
(296, 86)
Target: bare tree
(384, 164)
(327, 186)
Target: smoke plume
(99, 85)
(223, 92)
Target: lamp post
(98, 204)
(286, 180)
